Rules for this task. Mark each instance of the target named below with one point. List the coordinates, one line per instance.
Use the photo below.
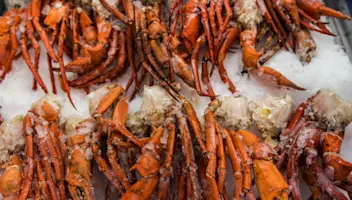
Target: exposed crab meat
(99, 8)
(272, 115)
(137, 123)
(10, 4)
(331, 110)
(156, 101)
(11, 138)
(233, 113)
(250, 15)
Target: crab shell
(272, 115)
(331, 110)
(233, 113)
(11, 138)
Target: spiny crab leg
(62, 38)
(30, 64)
(242, 150)
(236, 164)
(36, 10)
(189, 157)
(210, 135)
(104, 166)
(165, 170)
(27, 126)
(221, 169)
(194, 122)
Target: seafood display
(168, 39)
(175, 154)
(237, 149)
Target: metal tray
(342, 28)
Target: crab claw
(271, 77)
(269, 180)
(250, 56)
(315, 8)
(148, 166)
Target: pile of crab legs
(59, 158)
(94, 33)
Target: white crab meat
(272, 115)
(11, 138)
(10, 4)
(137, 124)
(233, 113)
(156, 102)
(331, 110)
(247, 12)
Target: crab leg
(14, 47)
(231, 35)
(316, 9)
(128, 6)
(62, 38)
(241, 148)
(194, 122)
(57, 165)
(165, 170)
(293, 158)
(188, 153)
(181, 191)
(36, 10)
(103, 165)
(27, 126)
(34, 42)
(29, 62)
(119, 115)
(317, 172)
(117, 169)
(43, 148)
(205, 76)
(236, 164)
(222, 24)
(75, 35)
(194, 63)
(210, 135)
(221, 162)
(42, 181)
